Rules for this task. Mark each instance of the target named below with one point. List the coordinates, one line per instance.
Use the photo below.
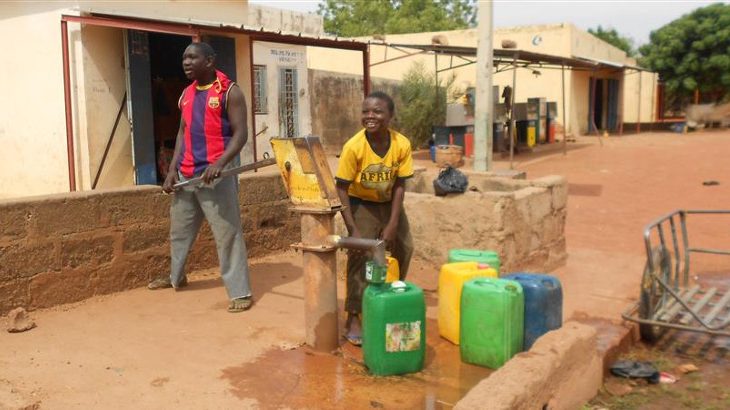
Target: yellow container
(451, 281)
(393, 273)
(531, 136)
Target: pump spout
(374, 246)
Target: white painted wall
(273, 18)
(32, 121)
(275, 56)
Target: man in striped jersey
(212, 133)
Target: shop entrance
(156, 81)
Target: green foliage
(611, 36)
(423, 105)
(693, 52)
(353, 18)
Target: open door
(613, 104)
(225, 50)
(139, 107)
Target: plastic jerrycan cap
(510, 287)
(398, 286)
(483, 266)
(548, 283)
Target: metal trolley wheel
(653, 296)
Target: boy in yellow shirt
(371, 174)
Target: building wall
(243, 72)
(32, 122)
(285, 20)
(586, 45)
(639, 86)
(276, 56)
(556, 39)
(336, 108)
(34, 134)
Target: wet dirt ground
(707, 388)
(162, 349)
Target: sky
(634, 19)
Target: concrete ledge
(562, 370)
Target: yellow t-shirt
(372, 177)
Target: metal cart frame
(668, 299)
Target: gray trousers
(371, 219)
(218, 203)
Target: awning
(520, 58)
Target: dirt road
(143, 349)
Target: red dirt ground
(143, 349)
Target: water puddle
(301, 378)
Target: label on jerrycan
(375, 273)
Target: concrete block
(549, 181)
(14, 221)
(72, 215)
(56, 288)
(133, 208)
(273, 214)
(561, 371)
(86, 250)
(13, 294)
(131, 272)
(540, 207)
(22, 260)
(203, 255)
(256, 189)
(145, 237)
(560, 196)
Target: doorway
(168, 83)
(603, 104)
(156, 82)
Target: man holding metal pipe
(212, 132)
(371, 174)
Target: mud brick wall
(523, 220)
(336, 101)
(68, 247)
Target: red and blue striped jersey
(207, 129)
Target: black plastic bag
(450, 180)
(635, 370)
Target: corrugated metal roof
(520, 57)
(261, 33)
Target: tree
(422, 103)
(693, 52)
(351, 18)
(611, 36)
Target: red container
(468, 144)
(551, 132)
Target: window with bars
(260, 100)
(288, 103)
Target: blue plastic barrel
(543, 304)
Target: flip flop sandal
(354, 340)
(240, 305)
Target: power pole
(483, 106)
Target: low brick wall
(68, 247)
(562, 371)
(523, 220)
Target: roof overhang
(515, 57)
(194, 28)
